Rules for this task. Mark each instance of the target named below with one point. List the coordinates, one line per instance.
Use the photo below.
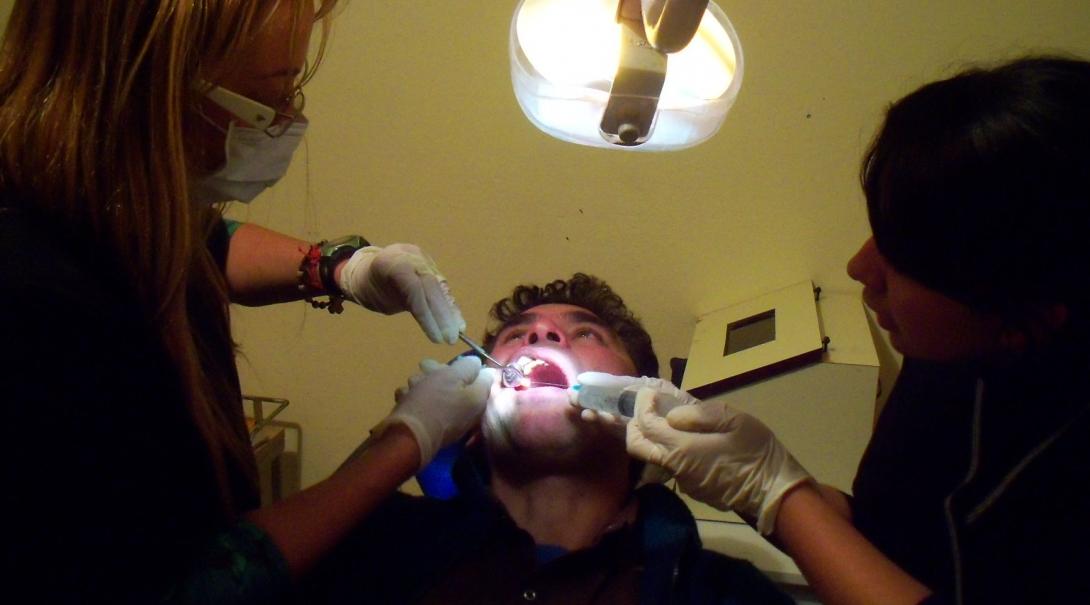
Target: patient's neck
(568, 509)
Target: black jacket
(468, 550)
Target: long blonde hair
(95, 100)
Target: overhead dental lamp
(594, 72)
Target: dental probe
(511, 374)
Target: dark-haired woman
(975, 487)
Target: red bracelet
(309, 277)
(310, 281)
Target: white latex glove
(720, 456)
(401, 277)
(669, 397)
(441, 404)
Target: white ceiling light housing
(584, 74)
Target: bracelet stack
(316, 271)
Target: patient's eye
(513, 335)
(589, 333)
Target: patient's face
(554, 342)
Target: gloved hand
(441, 404)
(720, 456)
(669, 396)
(401, 277)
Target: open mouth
(539, 373)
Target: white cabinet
(823, 412)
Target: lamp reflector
(565, 54)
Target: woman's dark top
(109, 489)
(977, 483)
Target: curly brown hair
(590, 293)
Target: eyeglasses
(274, 123)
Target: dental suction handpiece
(510, 374)
(615, 400)
(605, 399)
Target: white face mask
(255, 161)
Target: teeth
(527, 365)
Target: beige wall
(416, 137)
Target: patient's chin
(531, 426)
(544, 433)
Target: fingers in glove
(493, 374)
(414, 380)
(599, 417)
(416, 300)
(448, 319)
(430, 365)
(650, 423)
(427, 366)
(638, 443)
(482, 385)
(456, 319)
(467, 368)
(704, 417)
(416, 281)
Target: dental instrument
(614, 400)
(511, 375)
(605, 399)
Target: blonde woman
(130, 477)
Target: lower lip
(538, 397)
(545, 386)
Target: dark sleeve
(219, 241)
(918, 454)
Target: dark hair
(978, 186)
(590, 293)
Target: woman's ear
(1034, 327)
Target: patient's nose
(544, 331)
